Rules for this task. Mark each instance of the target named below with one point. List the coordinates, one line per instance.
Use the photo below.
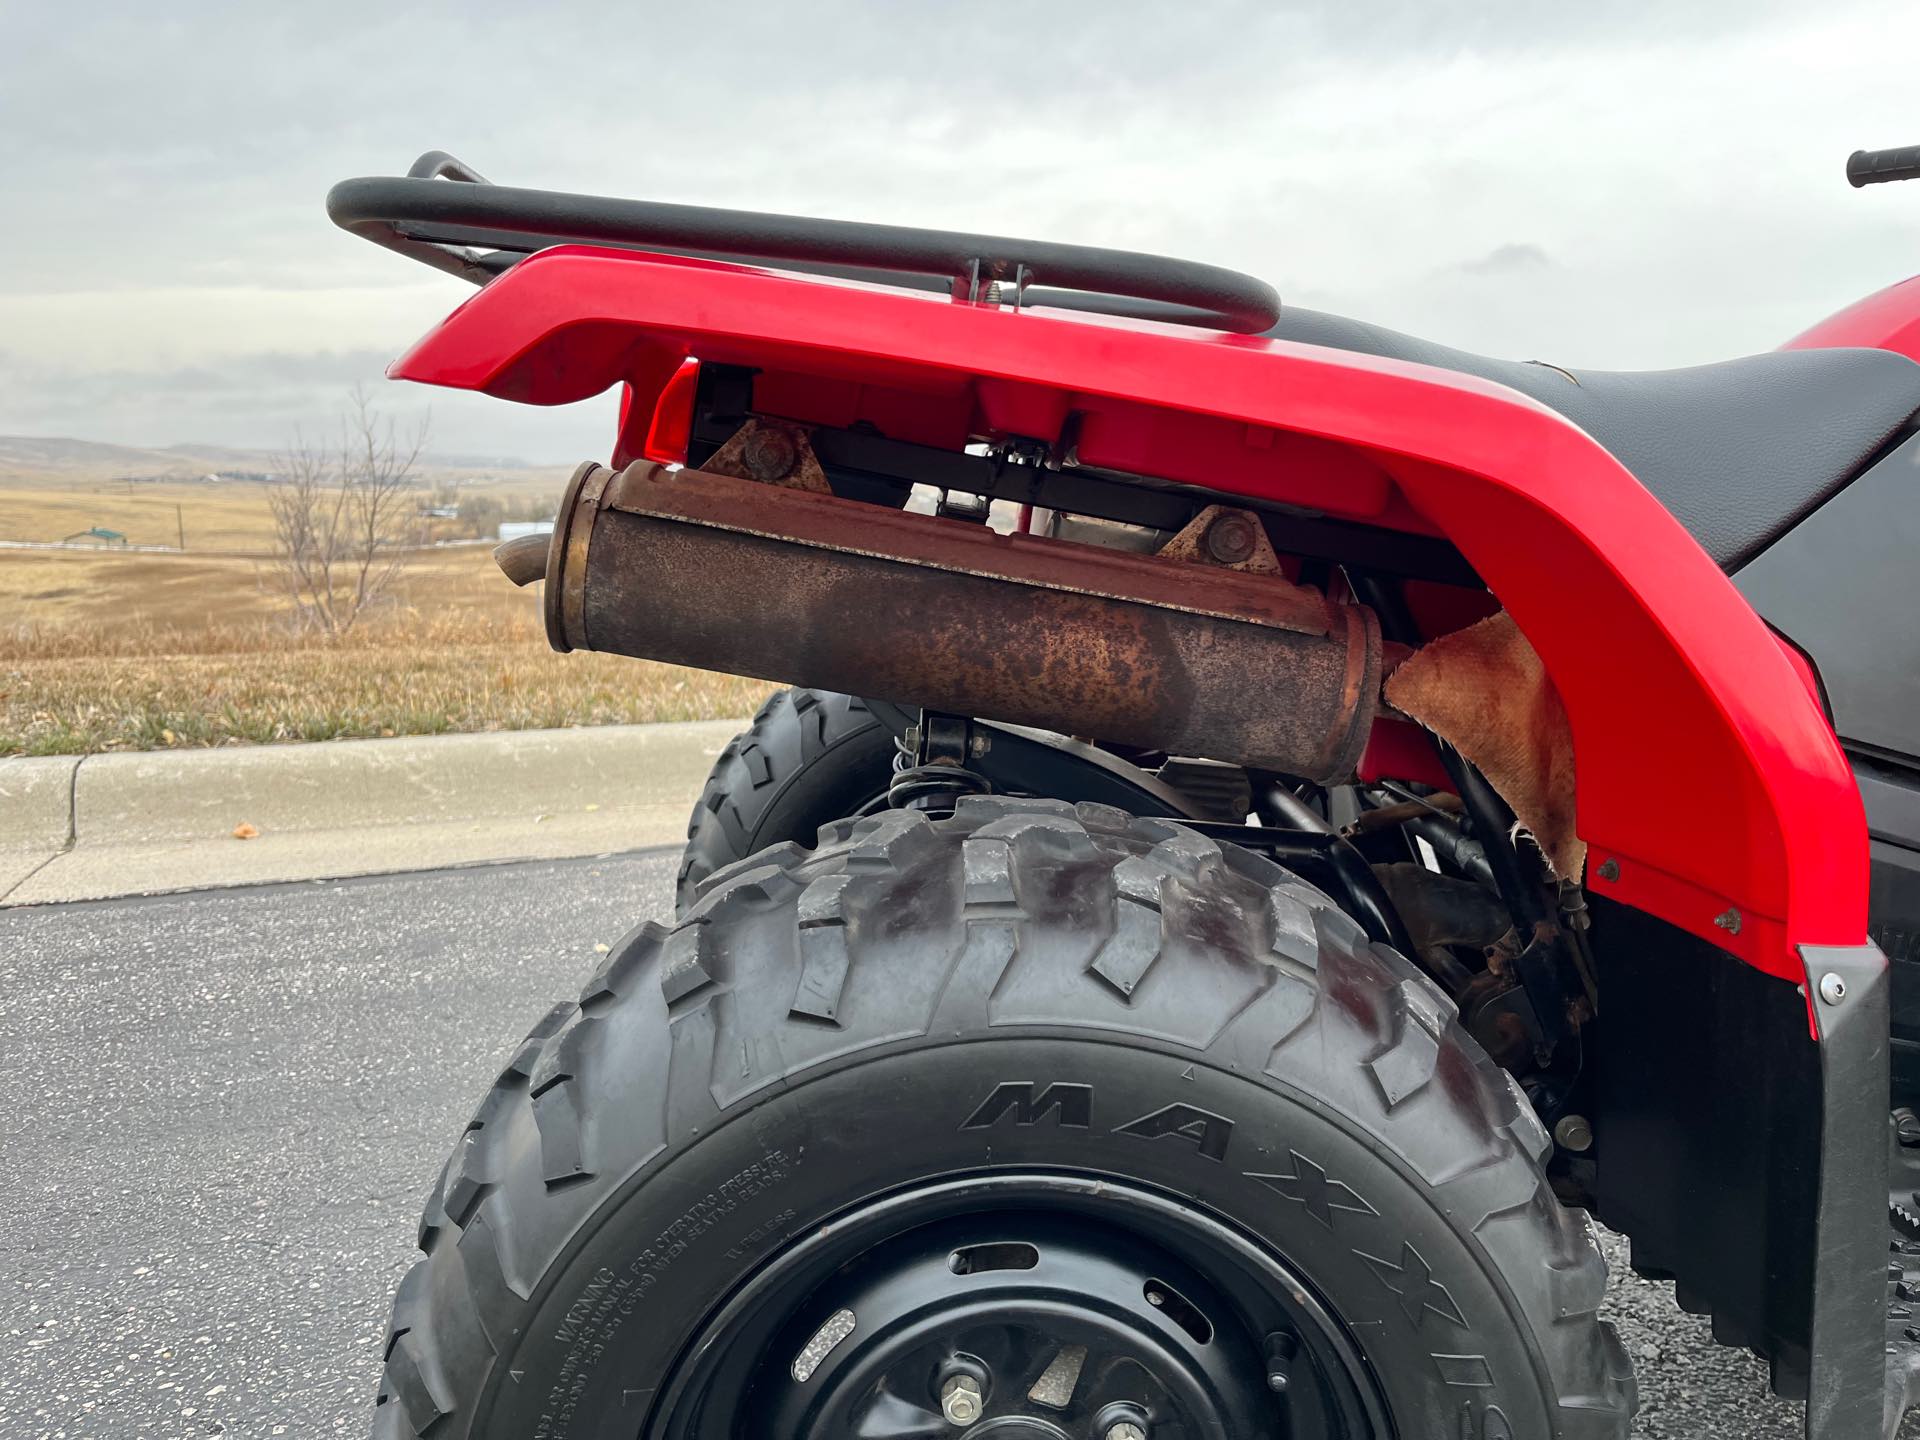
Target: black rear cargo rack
(447, 215)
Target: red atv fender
(1888, 319)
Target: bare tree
(344, 518)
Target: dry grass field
(227, 517)
(105, 649)
(213, 517)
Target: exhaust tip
(523, 560)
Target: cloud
(263, 399)
(1509, 259)
(175, 231)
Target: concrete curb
(36, 815)
(137, 824)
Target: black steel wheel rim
(1022, 1307)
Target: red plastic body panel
(669, 422)
(1706, 770)
(1401, 750)
(1888, 319)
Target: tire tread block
(756, 776)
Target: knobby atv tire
(823, 1027)
(810, 757)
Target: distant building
(515, 529)
(440, 512)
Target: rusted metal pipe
(726, 574)
(523, 559)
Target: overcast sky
(1637, 185)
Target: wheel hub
(1033, 1321)
(1025, 1324)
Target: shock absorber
(933, 769)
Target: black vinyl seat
(1738, 451)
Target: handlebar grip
(1876, 167)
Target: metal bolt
(1728, 920)
(980, 744)
(1832, 988)
(1609, 869)
(1126, 1430)
(769, 454)
(1573, 1132)
(1230, 539)
(961, 1401)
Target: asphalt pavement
(225, 1108)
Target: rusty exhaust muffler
(707, 570)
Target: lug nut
(1121, 1420)
(961, 1401)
